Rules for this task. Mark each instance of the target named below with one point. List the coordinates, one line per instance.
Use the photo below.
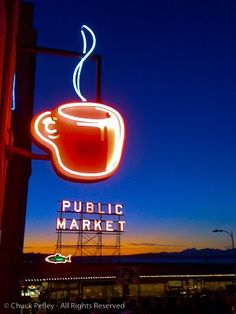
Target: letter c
(43, 129)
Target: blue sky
(169, 67)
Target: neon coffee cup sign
(85, 139)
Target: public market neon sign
(78, 217)
(91, 224)
(85, 139)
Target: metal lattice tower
(84, 243)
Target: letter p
(65, 204)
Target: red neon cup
(85, 140)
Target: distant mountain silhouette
(190, 253)
(196, 252)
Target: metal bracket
(72, 54)
(26, 154)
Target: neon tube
(77, 71)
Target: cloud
(144, 244)
(154, 244)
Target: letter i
(109, 209)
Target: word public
(92, 208)
(88, 223)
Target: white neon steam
(77, 71)
(116, 123)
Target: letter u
(76, 208)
